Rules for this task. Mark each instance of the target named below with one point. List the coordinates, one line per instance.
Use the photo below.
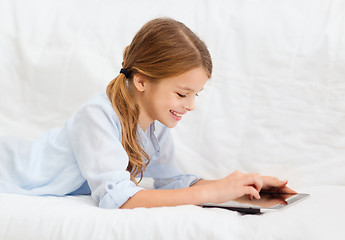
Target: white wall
(275, 103)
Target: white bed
(275, 105)
(32, 218)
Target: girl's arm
(166, 197)
(231, 187)
(203, 182)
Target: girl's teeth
(176, 114)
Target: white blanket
(32, 218)
(275, 105)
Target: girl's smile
(177, 116)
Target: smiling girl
(124, 133)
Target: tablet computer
(268, 202)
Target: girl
(124, 133)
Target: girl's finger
(286, 189)
(251, 191)
(254, 180)
(273, 182)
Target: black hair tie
(124, 71)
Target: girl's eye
(181, 95)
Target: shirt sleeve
(164, 169)
(95, 136)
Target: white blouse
(86, 156)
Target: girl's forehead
(193, 80)
(186, 88)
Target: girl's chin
(170, 121)
(170, 124)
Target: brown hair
(162, 48)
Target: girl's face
(168, 99)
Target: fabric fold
(180, 181)
(117, 193)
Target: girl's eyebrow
(189, 89)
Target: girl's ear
(139, 83)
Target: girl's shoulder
(98, 107)
(101, 100)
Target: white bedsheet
(275, 105)
(32, 218)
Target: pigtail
(128, 113)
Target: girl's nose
(190, 105)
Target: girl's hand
(274, 185)
(234, 186)
(239, 184)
